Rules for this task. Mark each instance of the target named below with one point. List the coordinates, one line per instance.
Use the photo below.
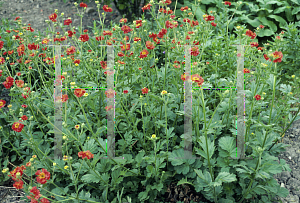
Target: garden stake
(240, 140)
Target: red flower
(149, 45)
(110, 93)
(85, 154)
(197, 78)
(107, 9)
(17, 127)
(278, 56)
(126, 29)
(147, 7)
(83, 5)
(209, 18)
(123, 20)
(127, 47)
(261, 26)
(214, 24)
(257, 97)
(266, 57)
(145, 90)
(53, 17)
(18, 185)
(194, 51)
(108, 107)
(184, 8)
(250, 34)
(71, 50)
(44, 200)
(2, 103)
(43, 176)
(77, 61)
(2, 60)
(67, 22)
(84, 38)
(24, 106)
(64, 98)
(144, 53)
(24, 118)
(79, 92)
(228, 3)
(19, 83)
(246, 70)
(125, 92)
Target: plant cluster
(149, 109)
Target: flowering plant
(153, 91)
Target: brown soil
(36, 12)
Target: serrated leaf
(225, 177)
(184, 181)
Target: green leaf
(282, 22)
(279, 10)
(265, 32)
(210, 147)
(143, 196)
(295, 10)
(282, 191)
(274, 2)
(225, 177)
(268, 23)
(121, 6)
(184, 181)
(229, 144)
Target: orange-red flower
(110, 93)
(2, 103)
(85, 154)
(79, 92)
(144, 53)
(126, 29)
(43, 176)
(278, 55)
(246, 70)
(145, 90)
(149, 45)
(194, 51)
(18, 185)
(53, 17)
(107, 9)
(18, 127)
(257, 97)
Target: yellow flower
(293, 76)
(77, 127)
(72, 83)
(141, 96)
(9, 106)
(88, 137)
(86, 94)
(20, 33)
(34, 156)
(64, 73)
(164, 92)
(54, 164)
(291, 93)
(264, 93)
(64, 137)
(76, 64)
(153, 136)
(66, 167)
(5, 170)
(64, 58)
(65, 158)
(238, 27)
(91, 59)
(7, 58)
(31, 159)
